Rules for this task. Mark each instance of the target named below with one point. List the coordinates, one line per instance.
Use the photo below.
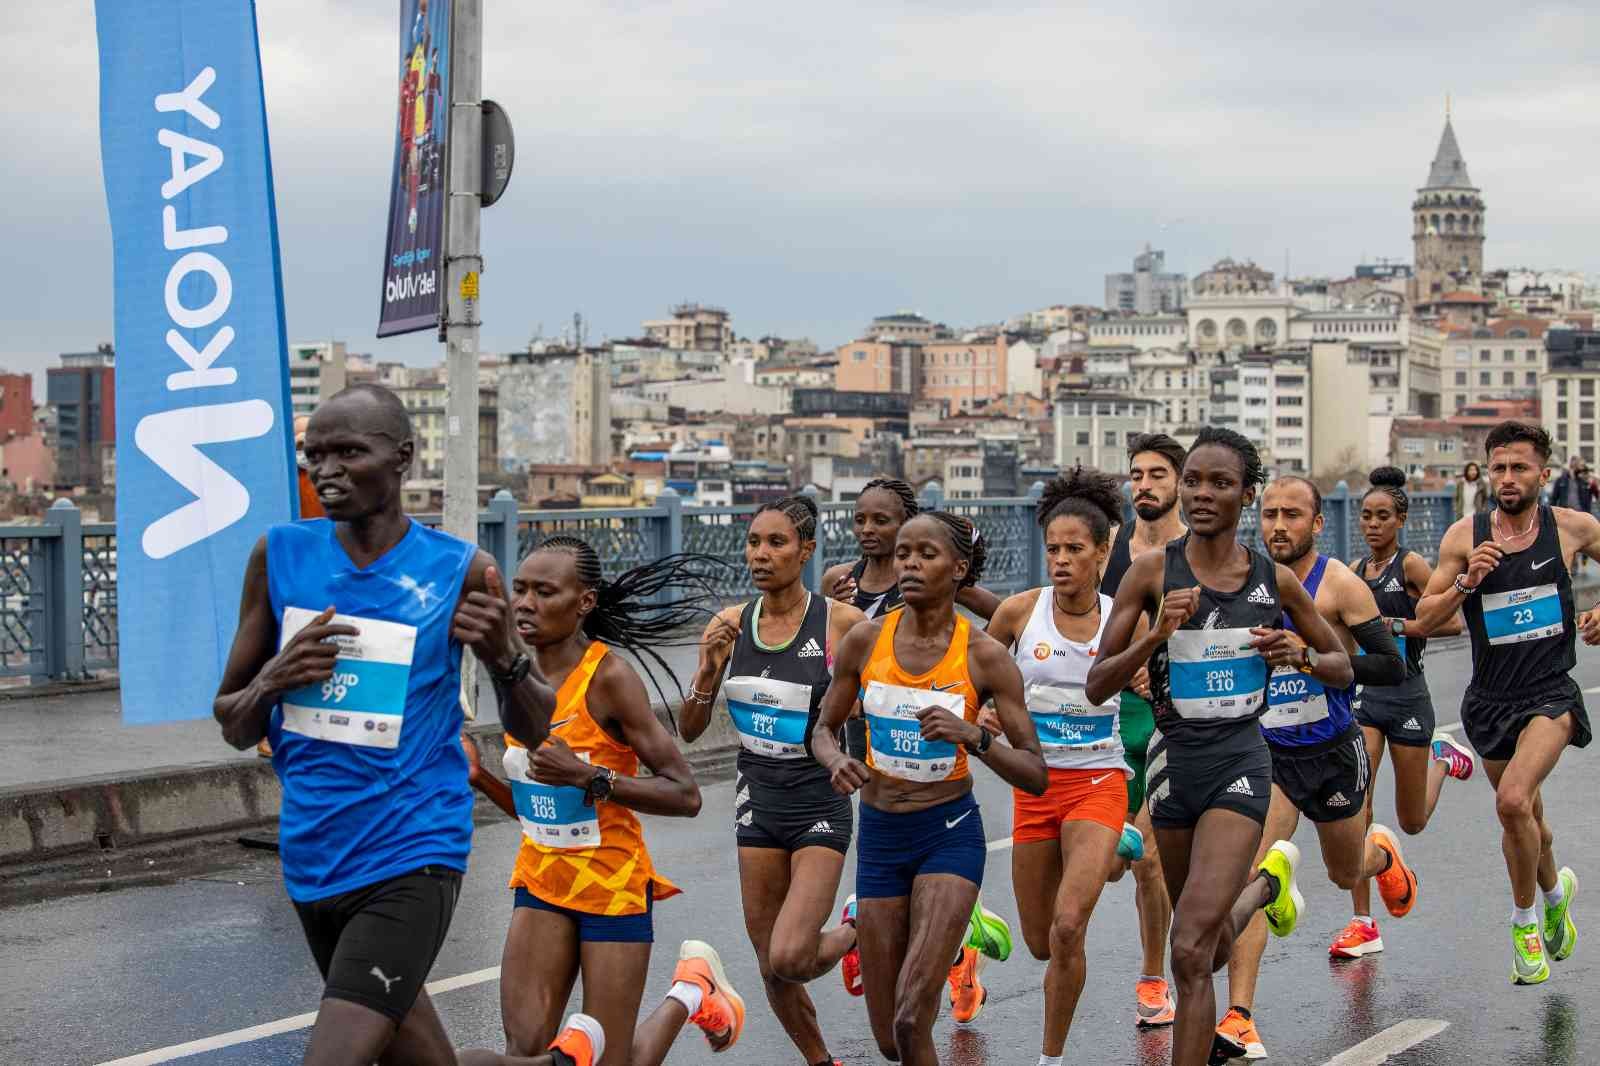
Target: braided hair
(801, 510)
(893, 485)
(1087, 495)
(1250, 467)
(644, 608)
(1392, 480)
(967, 541)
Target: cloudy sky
(810, 165)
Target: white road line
(1447, 727)
(1000, 845)
(1390, 1042)
(1591, 690)
(281, 1026)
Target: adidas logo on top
(812, 650)
(1242, 787)
(1260, 595)
(1338, 800)
(1394, 585)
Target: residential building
(1476, 420)
(16, 406)
(1142, 332)
(1267, 397)
(693, 327)
(891, 410)
(814, 372)
(317, 370)
(1427, 448)
(718, 396)
(1093, 426)
(1023, 373)
(426, 403)
(965, 373)
(1447, 226)
(28, 465)
(1571, 392)
(559, 484)
(83, 392)
(556, 408)
(646, 360)
(1501, 359)
(876, 366)
(906, 326)
(1148, 289)
(615, 490)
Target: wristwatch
(985, 738)
(520, 667)
(1397, 627)
(1308, 659)
(599, 787)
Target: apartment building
(1142, 332)
(1502, 359)
(317, 370)
(965, 373)
(876, 366)
(1093, 427)
(693, 327)
(426, 403)
(1267, 397)
(1571, 393)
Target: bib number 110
(1219, 680)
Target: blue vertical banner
(205, 450)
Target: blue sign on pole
(205, 451)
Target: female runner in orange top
(922, 674)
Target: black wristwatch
(985, 738)
(521, 666)
(599, 788)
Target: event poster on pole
(412, 268)
(205, 454)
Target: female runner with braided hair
(792, 829)
(923, 673)
(1066, 840)
(584, 882)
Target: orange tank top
(589, 859)
(892, 700)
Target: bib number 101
(1219, 680)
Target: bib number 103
(1219, 680)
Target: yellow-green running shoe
(1560, 932)
(1528, 964)
(988, 933)
(1284, 909)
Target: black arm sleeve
(1382, 664)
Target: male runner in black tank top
(1508, 571)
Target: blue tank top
(1300, 709)
(374, 778)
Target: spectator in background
(1472, 492)
(310, 507)
(1575, 489)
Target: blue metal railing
(44, 568)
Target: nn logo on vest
(171, 439)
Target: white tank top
(1074, 734)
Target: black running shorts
(375, 945)
(1231, 771)
(1326, 782)
(790, 811)
(1403, 713)
(1493, 721)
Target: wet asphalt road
(216, 948)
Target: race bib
(1067, 723)
(1294, 698)
(553, 816)
(1215, 673)
(1522, 614)
(894, 731)
(364, 701)
(770, 715)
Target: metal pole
(463, 262)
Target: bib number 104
(1219, 680)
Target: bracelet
(696, 696)
(1465, 590)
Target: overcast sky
(811, 165)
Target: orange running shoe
(850, 964)
(967, 994)
(1357, 939)
(1155, 1003)
(721, 1013)
(1237, 1038)
(582, 1040)
(1398, 884)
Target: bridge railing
(58, 579)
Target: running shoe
(1237, 1038)
(1560, 932)
(1528, 964)
(581, 1040)
(1457, 758)
(721, 1013)
(1398, 884)
(988, 932)
(1357, 939)
(1131, 845)
(1155, 1003)
(850, 965)
(1284, 909)
(967, 994)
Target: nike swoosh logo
(952, 823)
(1536, 566)
(564, 721)
(944, 688)
(1097, 780)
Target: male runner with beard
(1509, 572)
(1154, 460)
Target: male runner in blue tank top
(1319, 759)
(348, 658)
(1509, 572)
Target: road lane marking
(999, 845)
(1447, 727)
(1393, 1040)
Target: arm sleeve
(1382, 663)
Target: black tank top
(1521, 617)
(1394, 601)
(1118, 561)
(874, 604)
(774, 695)
(1206, 681)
